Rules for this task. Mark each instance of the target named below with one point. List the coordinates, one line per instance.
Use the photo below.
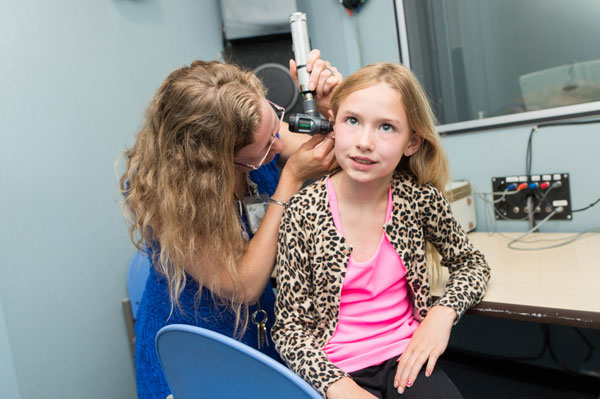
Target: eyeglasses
(279, 112)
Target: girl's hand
(313, 159)
(346, 388)
(427, 344)
(323, 79)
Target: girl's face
(372, 134)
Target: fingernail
(408, 383)
(400, 390)
(311, 86)
(395, 384)
(427, 374)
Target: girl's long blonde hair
(429, 164)
(179, 179)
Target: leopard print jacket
(312, 258)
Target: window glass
(514, 59)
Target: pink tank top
(375, 319)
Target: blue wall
(76, 77)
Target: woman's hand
(313, 159)
(427, 344)
(346, 388)
(323, 79)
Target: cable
(590, 346)
(587, 207)
(552, 186)
(502, 193)
(554, 211)
(553, 355)
(565, 240)
(529, 153)
(482, 196)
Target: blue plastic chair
(139, 269)
(199, 363)
(137, 274)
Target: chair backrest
(137, 274)
(199, 363)
(139, 268)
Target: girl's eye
(351, 121)
(386, 127)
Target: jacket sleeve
(296, 318)
(469, 271)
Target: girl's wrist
(444, 311)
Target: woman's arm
(306, 157)
(314, 158)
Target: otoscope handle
(311, 121)
(301, 46)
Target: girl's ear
(413, 145)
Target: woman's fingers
(294, 71)
(330, 81)
(327, 80)
(313, 56)
(318, 74)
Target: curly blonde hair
(179, 180)
(429, 164)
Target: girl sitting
(354, 312)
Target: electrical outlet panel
(548, 192)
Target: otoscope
(310, 122)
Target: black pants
(379, 380)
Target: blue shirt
(155, 307)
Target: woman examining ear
(204, 198)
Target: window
(486, 63)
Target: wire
(491, 210)
(590, 346)
(529, 151)
(529, 154)
(502, 193)
(565, 240)
(587, 207)
(554, 211)
(552, 186)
